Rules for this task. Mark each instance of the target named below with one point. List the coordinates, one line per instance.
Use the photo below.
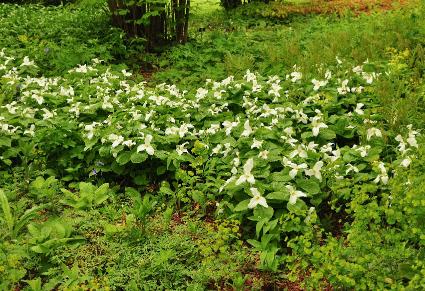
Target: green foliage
(49, 235)
(59, 37)
(318, 167)
(89, 196)
(14, 223)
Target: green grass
(233, 43)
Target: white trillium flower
(344, 89)
(363, 150)
(373, 132)
(258, 199)
(31, 130)
(229, 125)
(358, 70)
(318, 84)
(27, 62)
(296, 76)
(180, 149)
(247, 176)
(294, 194)
(296, 168)
(351, 168)
(264, 154)
(48, 114)
(213, 129)
(289, 131)
(336, 154)
(129, 143)
(256, 144)
(146, 146)
(328, 75)
(299, 151)
(317, 125)
(406, 162)
(247, 129)
(327, 148)
(116, 140)
(402, 144)
(358, 109)
(383, 176)
(38, 99)
(315, 171)
(411, 140)
(312, 146)
(217, 149)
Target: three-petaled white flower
(247, 129)
(180, 149)
(257, 199)
(294, 194)
(299, 151)
(373, 132)
(256, 144)
(296, 76)
(264, 154)
(315, 171)
(116, 140)
(406, 162)
(146, 146)
(411, 140)
(296, 168)
(229, 125)
(383, 176)
(27, 62)
(247, 175)
(318, 83)
(129, 143)
(317, 124)
(359, 109)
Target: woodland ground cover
(288, 155)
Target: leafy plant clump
(287, 156)
(311, 177)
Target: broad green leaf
(138, 158)
(309, 185)
(5, 141)
(327, 134)
(243, 205)
(124, 158)
(281, 195)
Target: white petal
(248, 166)
(241, 180)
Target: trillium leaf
(298, 208)
(5, 141)
(309, 185)
(243, 205)
(124, 158)
(262, 213)
(280, 177)
(279, 195)
(138, 158)
(327, 134)
(141, 180)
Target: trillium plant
(271, 149)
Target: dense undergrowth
(259, 155)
